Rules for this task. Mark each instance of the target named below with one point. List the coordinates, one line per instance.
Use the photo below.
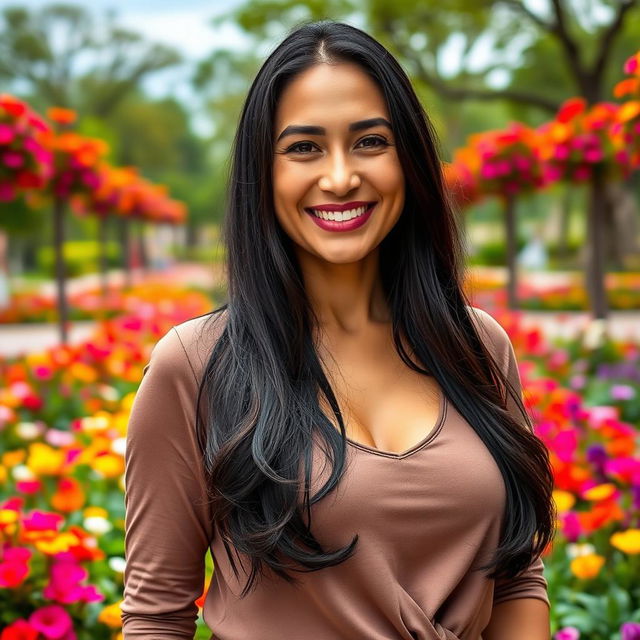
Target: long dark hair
(264, 375)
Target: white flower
(108, 393)
(28, 430)
(22, 473)
(97, 525)
(576, 549)
(119, 445)
(117, 564)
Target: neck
(346, 298)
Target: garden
(68, 184)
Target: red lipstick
(342, 225)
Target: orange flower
(69, 497)
(588, 566)
(61, 115)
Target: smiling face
(335, 157)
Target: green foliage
(68, 58)
(80, 257)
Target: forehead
(330, 93)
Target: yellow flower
(60, 543)
(3, 474)
(45, 460)
(109, 465)
(95, 512)
(600, 492)
(111, 615)
(83, 372)
(8, 516)
(627, 541)
(587, 566)
(127, 401)
(564, 500)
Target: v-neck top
(425, 519)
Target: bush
(80, 257)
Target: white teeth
(339, 216)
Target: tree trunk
(565, 225)
(142, 248)
(104, 267)
(58, 246)
(596, 235)
(126, 253)
(511, 246)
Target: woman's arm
(168, 523)
(524, 619)
(521, 606)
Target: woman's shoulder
(185, 348)
(491, 331)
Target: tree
(65, 58)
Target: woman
(346, 434)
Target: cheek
(390, 179)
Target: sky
(183, 23)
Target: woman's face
(335, 157)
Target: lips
(341, 207)
(343, 225)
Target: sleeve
(168, 521)
(531, 583)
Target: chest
(384, 403)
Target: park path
(18, 339)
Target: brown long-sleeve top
(424, 518)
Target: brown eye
(377, 140)
(300, 147)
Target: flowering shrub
(63, 417)
(25, 163)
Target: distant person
(534, 254)
(345, 435)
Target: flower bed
(63, 417)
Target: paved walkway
(17, 339)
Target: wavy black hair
(264, 375)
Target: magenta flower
(567, 633)
(622, 392)
(7, 192)
(42, 521)
(12, 159)
(630, 631)
(64, 583)
(6, 134)
(52, 621)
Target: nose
(339, 177)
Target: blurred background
(116, 123)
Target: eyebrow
(320, 131)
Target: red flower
(19, 630)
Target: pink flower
(6, 133)
(64, 582)
(582, 173)
(52, 621)
(570, 526)
(622, 392)
(488, 171)
(567, 633)
(7, 192)
(42, 521)
(12, 159)
(631, 65)
(30, 487)
(593, 155)
(630, 631)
